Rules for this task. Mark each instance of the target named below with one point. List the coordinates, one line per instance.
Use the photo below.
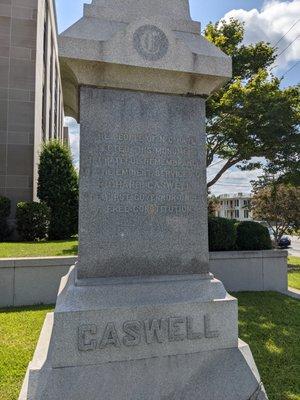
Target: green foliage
(278, 205)
(252, 116)
(33, 220)
(213, 205)
(5, 206)
(58, 188)
(247, 60)
(222, 234)
(252, 236)
(226, 234)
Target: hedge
(33, 220)
(253, 236)
(222, 234)
(226, 235)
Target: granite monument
(140, 316)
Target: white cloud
(74, 130)
(271, 24)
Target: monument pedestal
(142, 338)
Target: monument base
(142, 338)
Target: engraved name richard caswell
(150, 42)
(135, 333)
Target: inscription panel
(142, 184)
(142, 332)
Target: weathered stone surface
(142, 185)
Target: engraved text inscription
(151, 331)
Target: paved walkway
(291, 292)
(294, 250)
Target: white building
(235, 206)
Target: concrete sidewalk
(291, 292)
(294, 250)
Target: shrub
(222, 234)
(33, 220)
(5, 206)
(253, 236)
(58, 188)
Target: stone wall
(35, 280)
(243, 271)
(30, 281)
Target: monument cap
(144, 45)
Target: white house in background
(235, 206)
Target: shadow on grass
(72, 251)
(270, 324)
(41, 307)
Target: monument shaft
(142, 184)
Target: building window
(237, 214)
(246, 214)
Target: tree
(251, 116)
(278, 205)
(213, 205)
(58, 188)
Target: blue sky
(70, 10)
(268, 20)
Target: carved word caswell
(135, 333)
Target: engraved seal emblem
(151, 42)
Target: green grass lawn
(294, 276)
(39, 249)
(294, 261)
(269, 322)
(294, 280)
(19, 332)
